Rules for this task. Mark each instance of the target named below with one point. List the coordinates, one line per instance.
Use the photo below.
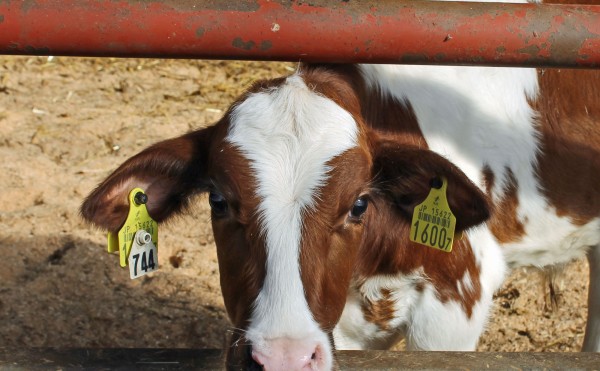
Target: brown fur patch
(330, 240)
(380, 312)
(505, 224)
(488, 181)
(379, 112)
(569, 167)
(392, 253)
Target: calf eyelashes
(218, 204)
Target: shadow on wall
(78, 296)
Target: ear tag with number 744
(143, 255)
(137, 240)
(433, 223)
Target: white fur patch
(420, 316)
(436, 325)
(460, 110)
(288, 134)
(353, 331)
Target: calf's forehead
(288, 134)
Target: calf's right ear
(169, 172)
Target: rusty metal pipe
(384, 31)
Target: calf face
(296, 182)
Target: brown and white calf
(313, 178)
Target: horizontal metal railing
(385, 31)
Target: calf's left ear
(169, 172)
(406, 174)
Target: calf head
(297, 182)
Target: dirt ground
(65, 123)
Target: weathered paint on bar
(384, 31)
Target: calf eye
(359, 207)
(217, 203)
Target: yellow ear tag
(433, 223)
(137, 219)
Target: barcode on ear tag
(143, 257)
(433, 223)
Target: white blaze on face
(288, 134)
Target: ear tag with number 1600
(137, 219)
(433, 223)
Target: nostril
(257, 358)
(317, 355)
(255, 367)
(253, 364)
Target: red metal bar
(384, 31)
